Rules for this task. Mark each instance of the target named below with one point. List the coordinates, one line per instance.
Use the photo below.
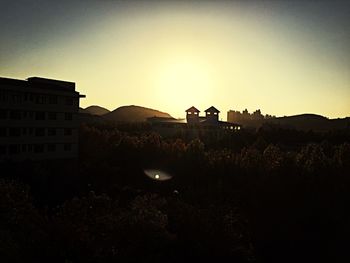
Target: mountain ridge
(134, 113)
(95, 110)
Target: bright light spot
(157, 174)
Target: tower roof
(212, 109)
(192, 109)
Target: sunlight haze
(284, 59)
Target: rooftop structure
(192, 115)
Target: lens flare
(157, 175)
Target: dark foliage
(267, 196)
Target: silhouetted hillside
(303, 122)
(134, 113)
(310, 122)
(95, 110)
(82, 110)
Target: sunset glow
(174, 55)
(181, 83)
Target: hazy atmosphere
(284, 58)
(174, 131)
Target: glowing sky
(283, 57)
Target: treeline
(267, 196)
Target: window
(15, 115)
(68, 116)
(40, 132)
(3, 132)
(14, 149)
(24, 147)
(51, 131)
(3, 114)
(40, 115)
(16, 98)
(15, 132)
(3, 150)
(67, 147)
(189, 113)
(51, 147)
(3, 96)
(53, 99)
(39, 99)
(67, 132)
(215, 113)
(39, 148)
(196, 113)
(52, 116)
(69, 101)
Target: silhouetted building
(234, 116)
(193, 123)
(192, 115)
(38, 119)
(212, 115)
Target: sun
(183, 83)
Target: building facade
(38, 119)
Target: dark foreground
(276, 196)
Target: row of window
(32, 115)
(18, 131)
(20, 97)
(14, 149)
(196, 113)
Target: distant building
(171, 126)
(234, 116)
(192, 115)
(38, 119)
(212, 116)
(254, 120)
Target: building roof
(192, 109)
(212, 109)
(52, 83)
(41, 83)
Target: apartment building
(38, 119)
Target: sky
(283, 57)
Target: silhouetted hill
(82, 110)
(95, 110)
(134, 113)
(310, 122)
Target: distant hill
(82, 110)
(310, 122)
(134, 113)
(95, 110)
(303, 122)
